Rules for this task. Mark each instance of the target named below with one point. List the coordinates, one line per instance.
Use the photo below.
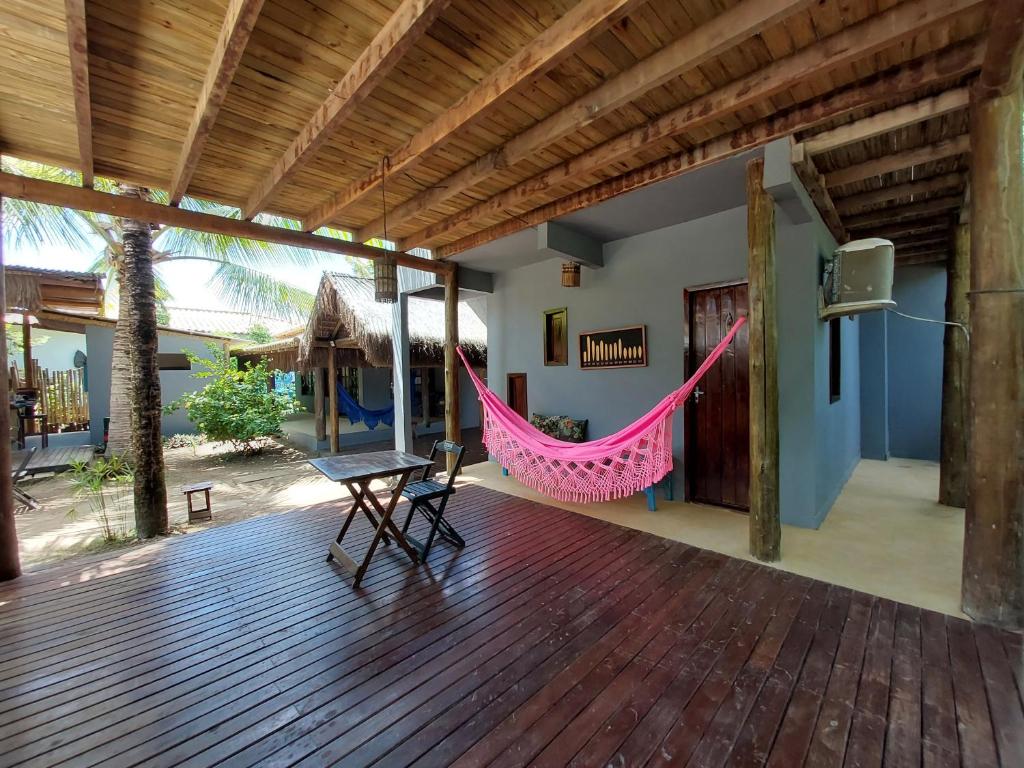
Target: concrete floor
(885, 535)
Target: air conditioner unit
(858, 278)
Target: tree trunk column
(332, 398)
(319, 418)
(953, 461)
(993, 572)
(119, 434)
(10, 565)
(146, 438)
(26, 349)
(452, 424)
(765, 526)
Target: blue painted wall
(642, 282)
(915, 362)
(874, 386)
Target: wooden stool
(198, 515)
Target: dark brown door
(517, 393)
(717, 421)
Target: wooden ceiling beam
(52, 193)
(935, 257)
(890, 120)
(403, 30)
(711, 39)
(899, 161)
(1004, 60)
(856, 203)
(906, 228)
(893, 214)
(78, 51)
(814, 183)
(239, 22)
(937, 67)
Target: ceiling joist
(935, 68)
(890, 120)
(64, 195)
(556, 42)
(705, 42)
(78, 50)
(811, 178)
(405, 27)
(899, 161)
(891, 214)
(227, 55)
(922, 187)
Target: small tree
(237, 406)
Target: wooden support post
(10, 565)
(319, 417)
(953, 460)
(452, 428)
(26, 348)
(993, 572)
(332, 398)
(425, 396)
(765, 527)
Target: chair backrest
(22, 470)
(447, 447)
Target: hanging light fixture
(570, 274)
(385, 268)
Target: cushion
(561, 427)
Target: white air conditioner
(858, 278)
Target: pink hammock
(634, 458)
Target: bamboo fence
(63, 397)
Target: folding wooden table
(356, 472)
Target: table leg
(385, 522)
(344, 528)
(359, 499)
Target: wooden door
(717, 413)
(517, 393)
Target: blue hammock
(356, 413)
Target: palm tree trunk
(137, 283)
(119, 441)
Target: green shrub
(237, 406)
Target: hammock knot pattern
(632, 459)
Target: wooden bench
(198, 515)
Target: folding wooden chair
(424, 493)
(19, 474)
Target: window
(556, 337)
(173, 361)
(835, 359)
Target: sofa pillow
(561, 427)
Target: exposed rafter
(935, 68)
(52, 193)
(810, 177)
(549, 47)
(891, 214)
(890, 120)
(227, 55)
(906, 228)
(931, 257)
(940, 150)
(78, 50)
(856, 203)
(713, 38)
(1004, 60)
(405, 27)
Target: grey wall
(54, 350)
(874, 386)
(642, 282)
(173, 384)
(915, 362)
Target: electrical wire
(961, 326)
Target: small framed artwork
(614, 348)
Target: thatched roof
(31, 289)
(346, 313)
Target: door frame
(689, 423)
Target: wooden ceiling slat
(940, 67)
(893, 213)
(554, 43)
(78, 50)
(392, 42)
(942, 183)
(234, 35)
(718, 35)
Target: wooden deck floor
(553, 639)
(55, 459)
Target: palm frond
(250, 290)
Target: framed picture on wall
(614, 348)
